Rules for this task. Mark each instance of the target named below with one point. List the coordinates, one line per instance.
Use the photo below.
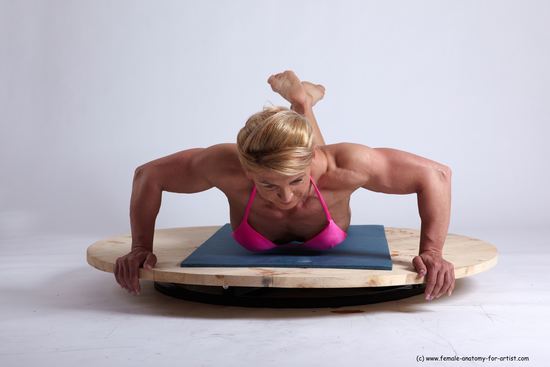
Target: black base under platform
(287, 297)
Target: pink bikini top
(250, 239)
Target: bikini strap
(325, 207)
(323, 203)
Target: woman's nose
(285, 195)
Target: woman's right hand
(127, 268)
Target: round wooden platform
(469, 256)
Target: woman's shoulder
(229, 175)
(338, 172)
(341, 148)
(342, 155)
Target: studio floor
(55, 309)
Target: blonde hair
(277, 139)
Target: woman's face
(285, 192)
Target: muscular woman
(283, 184)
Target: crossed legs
(302, 97)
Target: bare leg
(306, 110)
(302, 97)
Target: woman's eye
(271, 187)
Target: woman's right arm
(188, 171)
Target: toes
(274, 78)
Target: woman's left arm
(393, 171)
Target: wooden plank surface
(469, 256)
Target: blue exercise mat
(365, 247)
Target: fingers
(117, 271)
(439, 284)
(430, 285)
(124, 274)
(454, 282)
(422, 270)
(127, 269)
(440, 278)
(133, 277)
(120, 273)
(150, 261)
(440, 281)
(451, 281)
(447, 281)
(419, 266)
(447, 285)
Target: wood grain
(469, 256)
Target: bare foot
(289, 87)
(316, 91)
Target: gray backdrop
(90, 90)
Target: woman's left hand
(440, 274)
